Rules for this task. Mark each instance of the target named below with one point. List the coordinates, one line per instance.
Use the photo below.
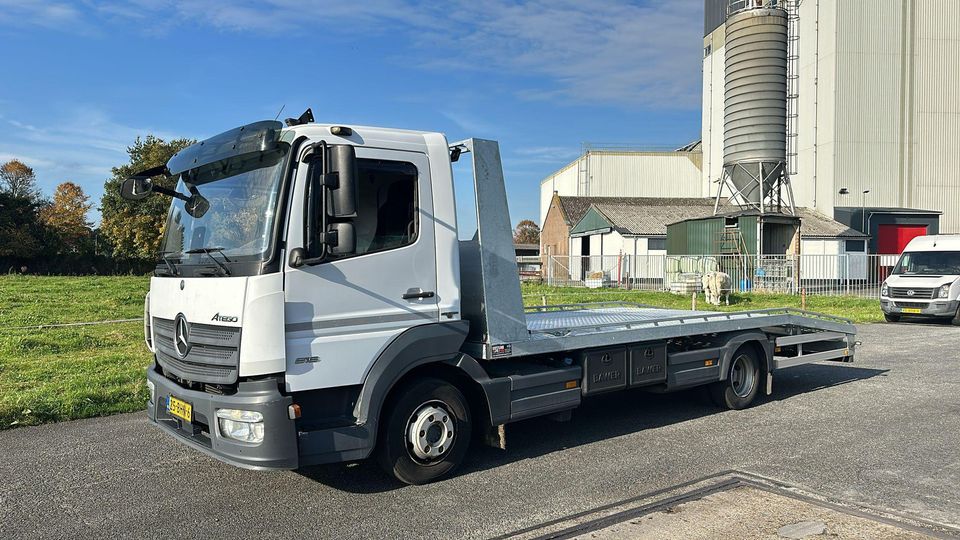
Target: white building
(625, 173)
(877, 86)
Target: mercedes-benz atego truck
(313, 304)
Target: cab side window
(387, 216)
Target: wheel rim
(430, 431)
(742, 376)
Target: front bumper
(934, 308)
(279, 447)
(283, 446)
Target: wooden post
(693, 302)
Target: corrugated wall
(648, 174)
(714, 49)
(868, 110)
(695, 237)
(934, 156)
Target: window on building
(856, 246)
(386, 205)
(656, 244)
(707, 50)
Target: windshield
(242, 192)
(929, 263)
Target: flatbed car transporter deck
(314, 305)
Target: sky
(82, 80)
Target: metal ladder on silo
(792, 7)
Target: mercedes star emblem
(181, 336)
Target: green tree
(18, 180)
(22, 235)
(135, 228)
(527, 232)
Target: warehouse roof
(649, 216)
(813, 224)
(574, 208)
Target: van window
(929, 263)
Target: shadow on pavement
(598, 418)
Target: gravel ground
(881, 432)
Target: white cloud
(81, 147)
(633, 54)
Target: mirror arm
(170, 193)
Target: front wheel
(891, 317)
(425, 433)
(742, 384)
(956, 318)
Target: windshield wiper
(210, 251)
(164, 255)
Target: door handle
(412, 294)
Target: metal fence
(856, 274)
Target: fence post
(847, 276)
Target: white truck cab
(925, 281)
(313, 304)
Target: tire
(419, 456)
(956, 318)
(742, 383)
(891, 317)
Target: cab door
(341, 313)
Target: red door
(891, 239)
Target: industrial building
(848, 109)
(872, 104)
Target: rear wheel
(742, 384)
(891, 317)
(425, 433)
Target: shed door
(891, 239)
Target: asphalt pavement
(883, 432)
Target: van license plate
(179, 408)
(910, 310)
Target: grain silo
(755, 106)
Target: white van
(926, 280)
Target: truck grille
(213, 357)
(904, 292)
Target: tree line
(41, 235)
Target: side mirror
(136, 188)
(343, 197)
(197, 205)
(342, 239)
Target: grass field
(54, 374)
(860, 310)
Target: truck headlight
(244, 426)
(945, 291)
(883, 289)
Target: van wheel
(891, 317)
(426, 432)
(956, 318)
(742, 384)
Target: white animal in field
(715, 286)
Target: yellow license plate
(179, 408)
(911, 310)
